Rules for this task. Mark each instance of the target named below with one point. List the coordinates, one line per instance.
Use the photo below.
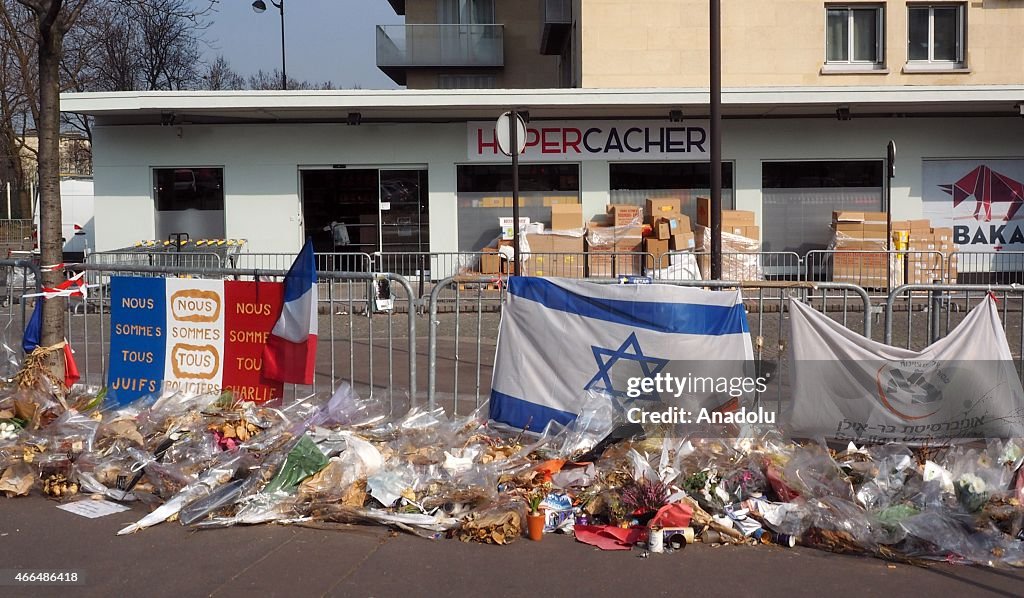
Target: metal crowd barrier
(16, 231)
(877, 271)
(19, 278)
(356, 341)
(325, 262)
(462, 334)
(943, 307)
(986, 267)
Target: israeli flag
(562, 340)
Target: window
(485, 195)
(466, 12)
(854, 36)
(446, 81)
(935, 35)
(797, 197)
(635, 182)
(189, 200)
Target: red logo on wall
(986, 187)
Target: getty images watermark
(670, 385)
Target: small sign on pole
(503, 133)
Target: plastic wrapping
(740, 257)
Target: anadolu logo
(911, 390)
(987, 187)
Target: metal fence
(19, 278)
(986, 267)
(918, 315)
(378, 350)
(16, 232)
(462, 333)
(375, 350)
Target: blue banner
(138, 331)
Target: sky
(324, 39)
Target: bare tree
(18, 101)
(263, 80)
(50, 22)
(220, 76)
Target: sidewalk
(271, 560)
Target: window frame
(960, 62)
(850, 64)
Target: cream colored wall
(663, 43)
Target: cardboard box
(704, 211)
(682, 242)
(624, 214)
(661, 207)
(924, 226)
(492, 202)
(490, 261)
(566, 216)
(875, 231)
(553, 200)
(901, 225)
(875, 217)
(733, 218)
(849, 229)
(943, 234)
(847, 216)
(508, 229)
(656, 248)
(666, 226)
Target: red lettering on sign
(532, 138)
(481, 145)
(549, 145)
(252, 311)
(574, 144)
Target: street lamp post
(260, 6)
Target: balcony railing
(401, 47)
(557, 25)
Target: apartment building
(664, 43)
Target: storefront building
(419, 171)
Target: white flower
(971, 482)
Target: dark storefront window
(485, 195)
(798, 199)
(189, 200)
(634, 183)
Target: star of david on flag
(628, 351)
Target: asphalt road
(272, 560)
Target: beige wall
(663, 43)
(525, 66)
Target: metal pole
(513, 132)
(936, 309)
(284, 70)
(716, 139)
(888, 227)
(890, 172)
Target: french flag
(290, 352)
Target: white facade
(262, 162)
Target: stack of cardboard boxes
(926, 249)
(918, 256)
(860, 241)
(558, 251)
(615, 241)
(671, 231)
(740, 236)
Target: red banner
(252, 309)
